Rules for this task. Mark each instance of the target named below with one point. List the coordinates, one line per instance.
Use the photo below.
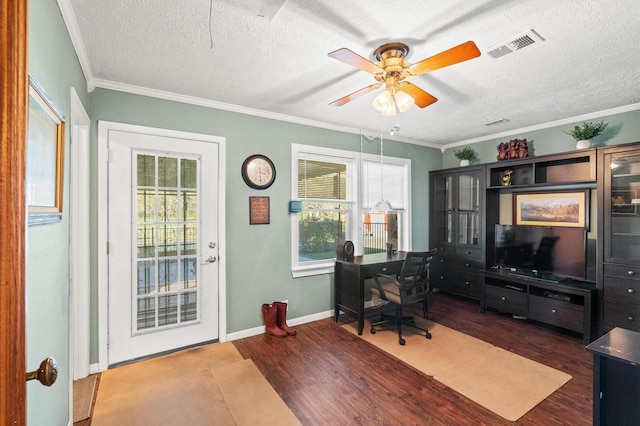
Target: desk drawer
(506, 300)
(555, 312)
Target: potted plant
(465, 155)
(587, 131)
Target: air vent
(494, 122)
(516, 43)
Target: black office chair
(410, 286)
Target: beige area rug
(501, 381)
(83, 391)
(208, 385)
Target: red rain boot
(269, 314)
(282, 318)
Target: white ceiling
(269, 57)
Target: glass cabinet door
(443, 209)
(622, 227)
(468, 208)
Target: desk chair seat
(410, 286)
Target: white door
(162, 244)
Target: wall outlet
(287, 302)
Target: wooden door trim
(14, 89)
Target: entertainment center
(556, 258)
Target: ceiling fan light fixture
(404, 101)
(383, 101)
(390, 111)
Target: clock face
(258, 172)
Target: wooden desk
(349, 281)
(616, 378)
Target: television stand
(537, 276)
(566, 303)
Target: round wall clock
(258, 171)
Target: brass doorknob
(47, 373)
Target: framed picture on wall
(259, 210)
(557, 208)
(45, 157)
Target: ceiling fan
(392, 70)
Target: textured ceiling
(270, 57)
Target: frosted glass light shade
(390, 111)
(383, 101)
(404, 101)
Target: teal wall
(259, 257)
(52, 60)
(623, 128)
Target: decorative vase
(583, 144)
(464, 162)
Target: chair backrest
(414, 276)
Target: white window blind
(393, 189)
(325, 178)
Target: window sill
(307, 271)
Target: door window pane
(166, 214)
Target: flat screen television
(542, 251)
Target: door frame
(14, 89)
(104, 127)
(79, 228)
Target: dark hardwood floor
(327, 375)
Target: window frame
(357, 211)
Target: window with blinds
(388, 182)
(338, 191)
(325, 187)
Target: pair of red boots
(275, 320)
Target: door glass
(468, 209)
(625, 207)
(166, 214)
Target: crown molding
(71, 23)
(170, 96)
(547, 125)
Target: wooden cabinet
(616, 378)
(569, 304)
(570, 168)
(620, 232)
(457, 229)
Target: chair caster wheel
(428, 335)
(373, 330)
(402, 342)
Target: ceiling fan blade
(350, 58)
(421, 97)
(355, 94)
(460, 53)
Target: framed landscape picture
(558, 208)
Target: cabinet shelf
(564, 169)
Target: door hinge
(108, 155)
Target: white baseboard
(295, 321)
